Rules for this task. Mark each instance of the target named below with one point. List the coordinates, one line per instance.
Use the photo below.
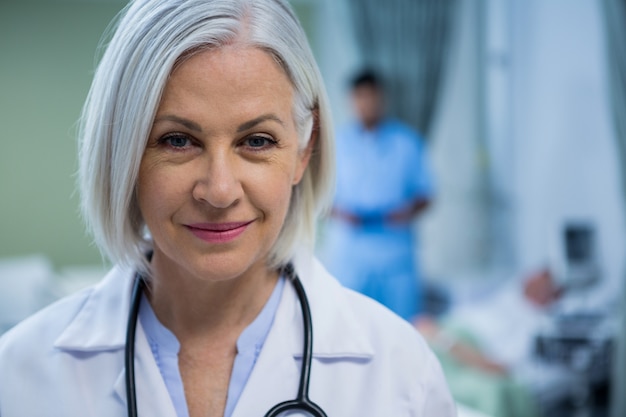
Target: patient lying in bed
(486, 349)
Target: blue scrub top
(378, 172)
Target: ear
(304, 156)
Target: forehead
(239, 65)
(231, 76)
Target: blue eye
(257, 142)
(177, 141)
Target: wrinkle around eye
(177, 142)
(267, 143)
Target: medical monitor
(576, 263)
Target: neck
(194, 308)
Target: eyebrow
(185, 122)
(242, 128)
(252, 123)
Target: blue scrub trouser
(377, 262)
(398, 291)
(392, 282)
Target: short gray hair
(149, 40)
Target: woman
(205, 156)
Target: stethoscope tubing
(301, 402)
(129, 349)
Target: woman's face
(216, 177)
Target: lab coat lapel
(153, 398)
(101, 321)
(276, 374)
(336, 334)
(337, 329)
(100, 325)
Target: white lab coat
(68, 360)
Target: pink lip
(218, 232)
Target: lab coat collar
(101, 321)
(100, 325)
(337, 330)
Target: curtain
(406, 42)
(615, 18)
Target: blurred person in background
(383, 184)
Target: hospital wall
(566, 158)
(47, 55)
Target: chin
(225, 267)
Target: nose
(218, 183)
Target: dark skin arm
(403, 215)
(408, 213)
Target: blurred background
(522, 104)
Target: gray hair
(150, 39)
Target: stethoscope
(300, 403)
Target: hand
(408, 213)
(346, 216)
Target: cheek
(271, 191)
(156, 190)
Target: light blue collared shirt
(165, 348)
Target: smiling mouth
(218, 232)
